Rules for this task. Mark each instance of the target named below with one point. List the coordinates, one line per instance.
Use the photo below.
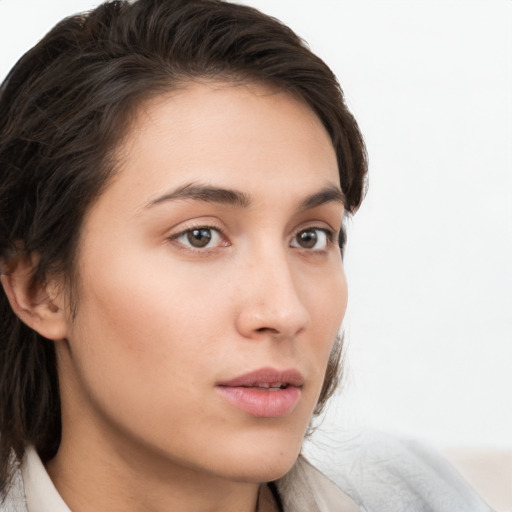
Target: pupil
(308, 239)
(199, 237)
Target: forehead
(245, 136)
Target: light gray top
(383, 473)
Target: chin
(264, 461)
(276, 469)
(266, 452)
(264, 471)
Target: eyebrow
(205, 193)
(208, 193)
(328, 194)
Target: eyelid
(329, 232)
(198, 225)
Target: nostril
(268, 329)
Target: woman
(174, 178)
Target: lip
(253, 392)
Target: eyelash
(196, 250)
(330, 235)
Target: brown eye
(199, 237)
(307, 239)
(311, 239)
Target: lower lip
(262, 403)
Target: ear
(38, 305)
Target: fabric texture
(383, 473)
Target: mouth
(264, 393)
(267, 378)
(269, 386)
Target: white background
(429, 259)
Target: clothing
(383, 473)
(376, 474)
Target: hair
(64, 109)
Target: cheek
(143, 354)
(143, 317)
(149, 318)
(133, 328)
(326, 296)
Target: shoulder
(386, 474)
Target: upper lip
(262, 376)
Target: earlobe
(31, 300)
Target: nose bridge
(273, 302)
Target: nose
(270, 300)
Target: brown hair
(64, 108)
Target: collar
(40, 493)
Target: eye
(312, 238)
(199, 238)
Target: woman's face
(209, 271)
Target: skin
(160, 323)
